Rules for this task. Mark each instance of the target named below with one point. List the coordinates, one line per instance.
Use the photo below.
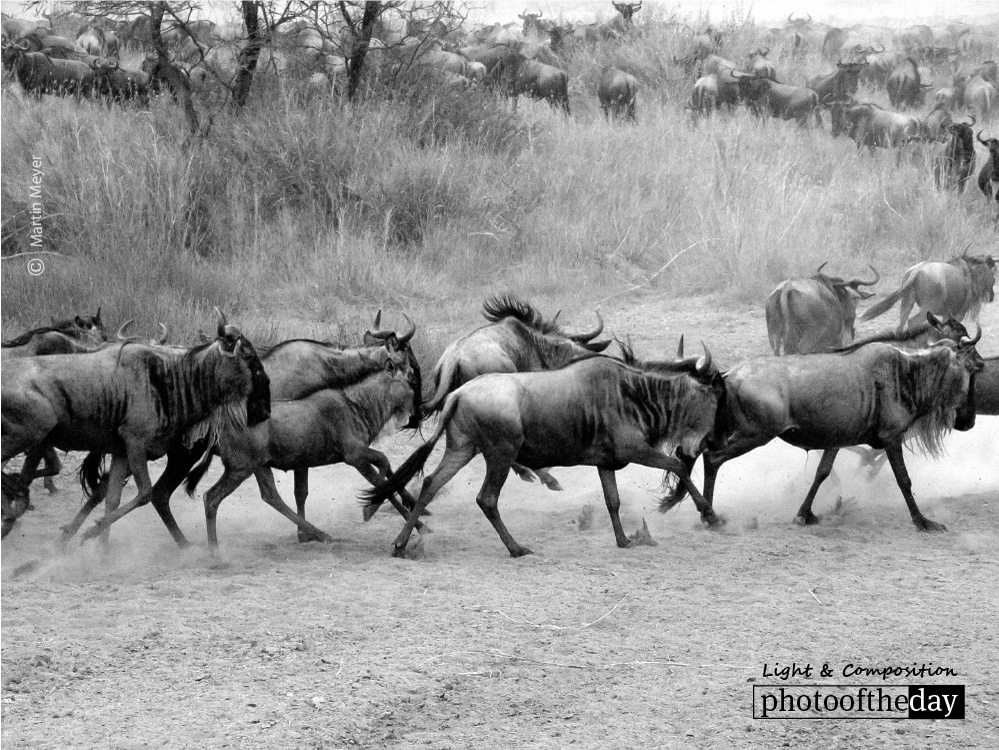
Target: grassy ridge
(302, 220)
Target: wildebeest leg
(269, 494)
(497, 470)
(649, 456)
(805, 516)
(548, 480)
(116, 475)
(301, 495)
(218, 492)
(15, 501)
(455, 458)
(179, 462)
(377, 470)
(895, 458)
(608, 480)
(52, 468)
(137, 464)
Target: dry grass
(303, 219)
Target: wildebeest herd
(521, 391)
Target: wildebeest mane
(502, 306)
(266, 352)
(978, 269)
(928, 431)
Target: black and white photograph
(454, 374)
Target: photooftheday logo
(858, 701)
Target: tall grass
(302, 217)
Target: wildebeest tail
(882, 306)
(445, 376)
(92, 474)
(412, 466)
(198, 471)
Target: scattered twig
(33, 253)
(563, 627)
(812, 592)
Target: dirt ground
(288, 645)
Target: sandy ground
(582, 644)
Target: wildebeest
(295, 369)
(705, 96)
(809, 315)
(518, 75)
(766, 97)
(955, 165)
(617, 91)
(121, 84)
(936, 123)
(760, 65)
(597, 412)
(905, 86)
(980, 96)
(131, 400)
(954, 288)
(329, 426)
(97, 41)
(40, 74)
(15, 501)
(702, 46)
(867, 394)
(69, 336)
(518, 339)
(988, 177)
(987, 388)
(840, 83)
(870, 125)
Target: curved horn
(378, 320)
(809, 19)
(789, 17)
(979, 136)
(970, 124)
(220, 330)
(584, 337)
(679, 349)
(965, 341)
(819, 269)
(404, 338)
(880, 51)
(163, 334)
(120, 334)
(877, 278)
(704, 363)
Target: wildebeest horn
(984, 143)
(584, 337)
(809, 19)
(679, 349)
(120, 335)
(704, 363)
(965, 341)
(378, 320)
(404, 338)
(221, 323)
(972, 120)
(879, 51)
(877, 278)
(819, 269)
(163, 335)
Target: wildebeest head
(627, 10)
(988, 178)
(233, 344)
(401, 353)
(532, 23)
(969, 363)
(845, 289)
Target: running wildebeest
(518, 339)
(295, 368)
(954, 289)
(329, 426)
(596, 412)
(874, 394)
(130, 400)
(809, 315)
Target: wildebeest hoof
(714, 521)
(928, 525)
(399, 552)
(520, 552)
(308, 536)
(809, 519)
(92, 532)
(553, 485)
